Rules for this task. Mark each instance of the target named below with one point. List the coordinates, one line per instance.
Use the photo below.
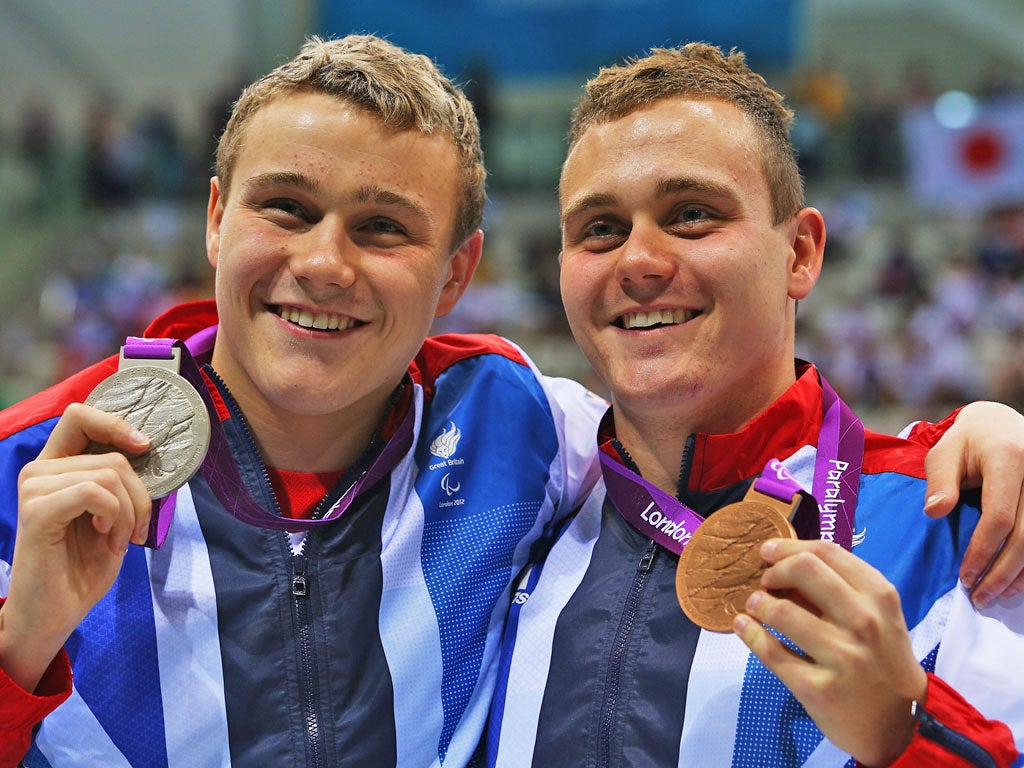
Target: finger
(994, 530)
(51, 506)
(1006, 569)
(82, 424)
(833, 558)
(838, 584)
(814, 636)
(1016, 588)
(944, 468)
(86, 463)
(103, 486)
(788, 665)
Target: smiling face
(677, 286)
(333, 255)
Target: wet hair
(404, 90)
(700, 71)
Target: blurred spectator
(1000, 252)
(38, 147)
(112, 159)
(165, 165)
(875, 148)
(900, 276)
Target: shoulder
(179, 322)
(441, 354)
(51, 402)
(887, 454)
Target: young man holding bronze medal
(336, 578)
(736, 485)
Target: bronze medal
(721, 565)
(166, 408)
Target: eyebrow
(281, 178)
(595, 200)
(691, 184)
(369, 193)
(669, 186)
(373, 193)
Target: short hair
(700, 71)
(404, 90)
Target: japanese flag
(978, 165)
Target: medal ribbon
(837, 466)
(219, 467)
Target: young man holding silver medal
(685, 247)
(334, 583)
(336, 578)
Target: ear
(808, 248)
(214, 216)
(460, 271)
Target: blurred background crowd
(910, 128)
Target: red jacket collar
(183, 321)
(788, 424)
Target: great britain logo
(444, 444)
(444, 447)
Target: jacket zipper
(300, 584)
(613, 679)
(957, 743)
(308, 678)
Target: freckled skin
(329, 211)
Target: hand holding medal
(151, 396)
(721, 565)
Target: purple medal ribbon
(219, 466)
(837, 466)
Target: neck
(655, 434)
(313, 442)
(302, 443)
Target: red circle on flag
(982, 151)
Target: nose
(325, 258)
(644, 259)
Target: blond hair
(404, 90)
(700, 71)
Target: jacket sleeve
(928, 434)
(952, 733)
(21, 710)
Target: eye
(693, 215)
(384, 226)
(382, 231)
(692, 219)
(286, 208)
(600, 235)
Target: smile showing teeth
(320, 321)
(657, 317)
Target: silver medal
(168, 410)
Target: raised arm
(77, 514)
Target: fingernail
(769, 548)
(981, 599)
(934, 499)
(754, 600)
(740, 622)
(970, 578)
(138, 437)
(1011, 592)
